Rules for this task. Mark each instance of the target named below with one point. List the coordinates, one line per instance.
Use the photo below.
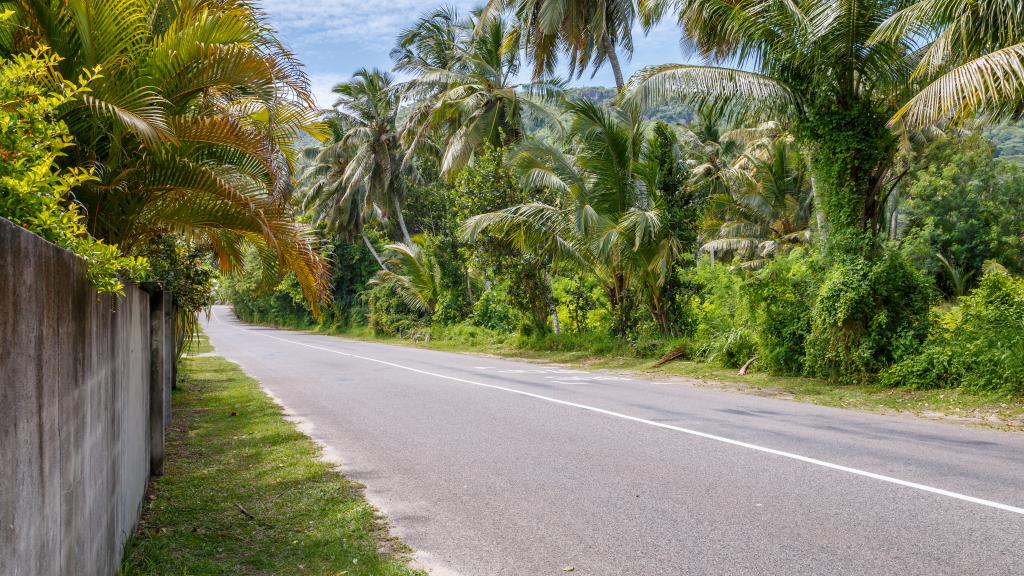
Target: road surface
(492, 467)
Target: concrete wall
(77, 375)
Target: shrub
(258, 295)
(493, 311)
(723, 333)
(35, 192)
(867, 314)
(780, 297)
(978, 345)
(390, 315)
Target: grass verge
(198, 344)
(245, 493)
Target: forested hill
(1008, 138)
(671, 113)
(1009, 141)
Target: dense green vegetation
(35, 189)
(244, 492)
(155, 139)
(833, 193)
(824, 209)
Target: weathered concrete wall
(76, 378)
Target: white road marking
(790, 455)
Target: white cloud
(371, 23)
(321, 85)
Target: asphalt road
(493, 467)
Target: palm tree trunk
(613, 60)
(819, 212)
(369, 245)
(401, 221)
(554, 305)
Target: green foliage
(723, 334)
(412, 273)
(579, 297)
(35, 192)
(391, 315)
(256, 298)
(780, 297)
(454, 286)
(850, 146)
(352, 267)
(866, 315)
(965, 206)
(978, 345)
(189, 129)
(182, 270)
(593, 213)
(493, 310)
(487, 185)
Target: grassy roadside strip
(245, 493)
(950, 405)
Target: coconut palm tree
(591, 32)
(815, 64)
(189, 126)
(431, 43)
(767, 208)
(325, 195)
(370, 103)
(413, 274)
(609, 218)
(973, 58)
(468, 97)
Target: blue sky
(333, 38)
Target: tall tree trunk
(613, 60)
(554, 304)
(819, 211)
(401, 220)
(373, 251)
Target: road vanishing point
(489, 467)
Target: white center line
(790, 455)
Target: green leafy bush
(493, 311)
(967, 206)
(390, 314)
(867, 314)
(258, 296)
(780, 297)
(978, 345)
(35, 192)
(723, 334)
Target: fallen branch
(746, 366)
(677, 353)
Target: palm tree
(767, 208)
(609, 219)
(412, 274)
(590, 31)
(432, 43)
(325, 195)
(370, 102)
(189, 127)
(467, 97)
(973, 58)
(815, 64)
